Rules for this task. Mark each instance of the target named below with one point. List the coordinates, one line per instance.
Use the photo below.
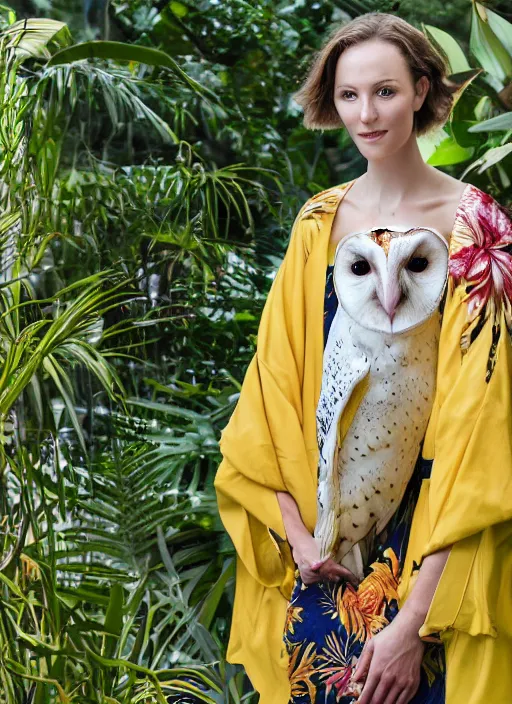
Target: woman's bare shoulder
(449, 188)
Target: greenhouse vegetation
(152, 161)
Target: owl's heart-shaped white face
(396, 292)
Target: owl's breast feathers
(363, 476)
(362, 479)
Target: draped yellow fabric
(270, 444)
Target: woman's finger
(406, 696)
(384, 689)
(308, 576)
(316, 565)
(338, 572)
(369, 688)
(364, 662)
(395, 695)
(347, 575)
(334, 572)
(406, 693)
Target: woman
(332, 597)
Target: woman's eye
(360, 267)
(347, 93)
(417, 264)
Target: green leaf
(121, 51)
(166, 555)
(499, 123)
(83, 594)
(114, 615)
(178, 9)
(450, 152)
(483, 108)
(501, 28)
(211, 601)
(456, 57)
(487, 48)
(429, 142)
(505, 180)
(64, 385)
(165, 408)
(13, 667)
(31, 37)
(461, 130)
(119, 663)
(114, 624)
(491, 158)
(13, 587)
(462, 81)
(9, 220)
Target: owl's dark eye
(360, 268)
(417, 264)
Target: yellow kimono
(270, 445)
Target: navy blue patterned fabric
(330, 302)
(328, 623)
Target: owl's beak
(390, 301)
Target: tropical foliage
(151, 162)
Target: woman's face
(374, 91)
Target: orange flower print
(362, 610)
(301, 670)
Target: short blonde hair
(316, 94)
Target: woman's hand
(390, 664)
(305, 550)
(306, 554)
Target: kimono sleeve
(469, 437)
(263, 445)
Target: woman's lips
(372, 136)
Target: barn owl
(384, 336)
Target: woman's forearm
(293, 524)
(418, 603)
(305, 549)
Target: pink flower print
(483, 258)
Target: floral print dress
(327, 623)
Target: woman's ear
(422, 87)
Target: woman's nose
(368, 111)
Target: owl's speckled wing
(343, 370)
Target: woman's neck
(400, 177)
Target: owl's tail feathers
(329, 510)
(327, 533)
